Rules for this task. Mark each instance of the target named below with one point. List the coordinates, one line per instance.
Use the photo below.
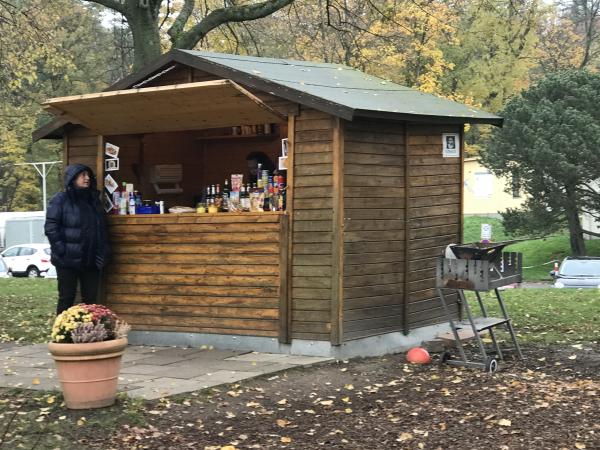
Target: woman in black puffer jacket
(76, 228)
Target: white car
(3, 269)
(27, 259)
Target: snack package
(234, 201)
(236, 182)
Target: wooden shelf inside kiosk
(236, 136)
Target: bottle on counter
(131, 209)
(259, 175)
(116, 199)
(213, 194)
(244, 199)
(218, 198)
(138, 198)
(226, 196)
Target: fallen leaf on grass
(326, 402)
(348, 410)
(348, 386)
(81, 421)
(580, 445)
(282, 423)
(405, 437)
(252, 405)
(286, 440)
(504, 423)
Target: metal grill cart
(478, 267)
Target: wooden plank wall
(313, 224)
(434, 217)
(373, 227)
(82, 148)
(190, 273)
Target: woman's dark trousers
(89, 280)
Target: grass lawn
(552, 316)
(27, 309)
(538, 254)
(540, 315)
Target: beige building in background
(485, 193)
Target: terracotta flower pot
(88, 373)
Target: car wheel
(33, 272)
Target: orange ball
(418, 355)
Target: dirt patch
(551, 401)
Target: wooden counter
(220, 273)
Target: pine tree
(551, 144)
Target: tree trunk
(575, 228)
(146, 39)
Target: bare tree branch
(591, 233)
(182, 18)
(112, 4)
(220, 16)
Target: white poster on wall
(451, 145)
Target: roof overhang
(420, 118)
(189, 106)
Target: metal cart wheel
(491, 365)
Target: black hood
(75, 169)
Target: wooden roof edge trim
(256, 100)
(48, 130)
(427, 118)
(146, 72)
(126, 92)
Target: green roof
(349, 88)
(333, 88)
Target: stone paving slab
(151, 372)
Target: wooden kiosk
(373, 198)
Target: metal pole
(43, 173)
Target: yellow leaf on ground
(405, 437)
(35, 381)
(346, 399)
(282, 422)
(580, 445)
(349, 387)
(504, 423)
(286, 440)
(50, 399)
(348, 410)
(228, 447)
(326, 402)
(282, 402)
